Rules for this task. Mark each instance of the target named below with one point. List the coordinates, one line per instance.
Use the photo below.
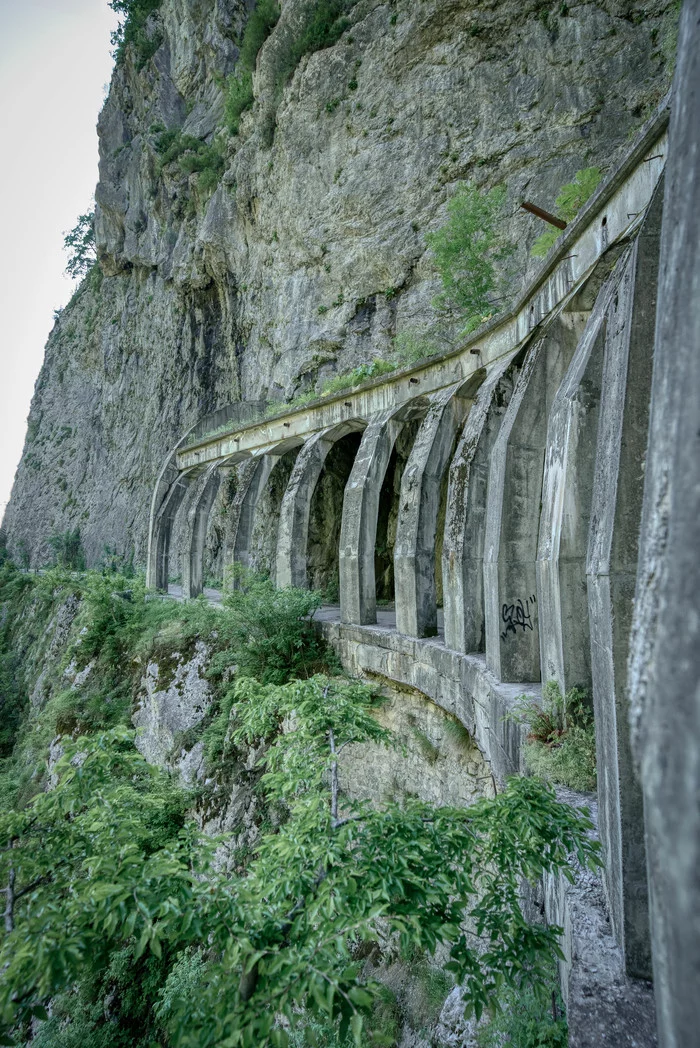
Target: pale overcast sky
(55, 63)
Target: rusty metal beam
(541, 213)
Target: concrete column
(293, 533)
(513, 507)
(358, 532)
(158, 568)
(245, 471)
(414, 550)
(465, 517)
(611, 569)
(565, 650)
(246, 514)
(664, 666)
(197, 521)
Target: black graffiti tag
(517, 615)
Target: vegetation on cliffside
(125, 925)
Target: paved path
(386, 617)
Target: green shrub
(239, 97)
(469, 250)
(239, 87)
(531, 1017)
(132, 30)
(67, 549)
(569, 202)
(560, 744)
(269, 634)
(192, 154)
(358, 375)
(326, 21)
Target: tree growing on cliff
(107, 864)
(80, 246)
(469, 252)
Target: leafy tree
(469, 251)
(569, 202)
(132, 29)
(80, 246)
(67, 548)
(106, 863)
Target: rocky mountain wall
(308, 257)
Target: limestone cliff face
(309, 257)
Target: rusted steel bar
(541, 213)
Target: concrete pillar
(358, 532)
(293, 532)
(664, 667)
(562, 608)
(245, 471)
(246, 514)
(465, 517)
(158, 568)
(611, 569)
(197, 521)
(513, 507)
(414, 550)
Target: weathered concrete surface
(358, 596)
(465, 517)
(197, 523)
(419, 500)
(513, 508)
(566, 509)
(605, 1007)
(293, 529)
(611, 570)
(665, 655)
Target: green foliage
(260, 24)
(269, 634)
(133, 30)
(469, 250)
(192, 154)
(532, 1017)
(569, 202)
(104, 862)
(67, 549)
(239, 97)
(80, 246)
(561, 740)
(239, 88)
(325, 22)
(358, 375)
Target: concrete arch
(162, 522)
(613, 551)
(465, 518)
(197, 521)
(293, 532)
(513, 506)
(414, 551)
(358, 598)
(566, 507)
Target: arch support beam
(565, 649)
(358, 532)
(293, 533)
(513, 507)
(259, 477)
(197, 521)
(414, 551)
(465, 517)
(611, 568)
(162, 520)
